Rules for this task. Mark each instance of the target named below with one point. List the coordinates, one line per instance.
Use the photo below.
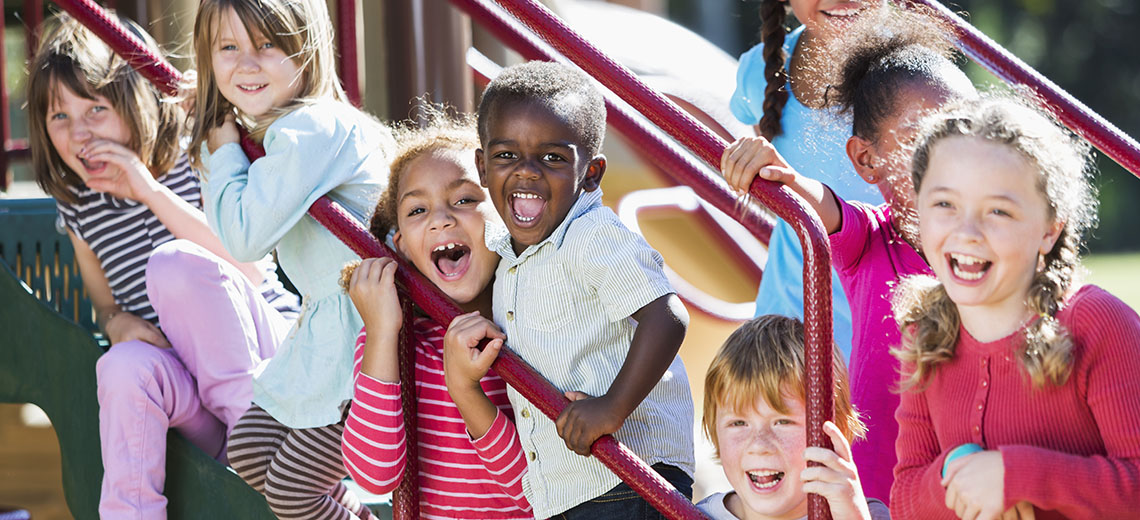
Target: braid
(929, 323)
(773, 14)
(1048, 348)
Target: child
(780, 88)
(1020, 386)
(754, 414)
(439, 211)
(579, 297)
(896, 68)
(270, 64)
(105, 144)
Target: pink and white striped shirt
(459, 477)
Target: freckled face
(74, 121)
(534, 166)
(761, 451)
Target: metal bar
(5, 125)
(348, 38)
(1074, 114)
(33, 17)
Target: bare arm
(118, 324)
(750, 157)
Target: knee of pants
(127, 367)
(179, 266)
(283, 493)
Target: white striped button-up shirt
(565, 306)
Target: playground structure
(561, 44)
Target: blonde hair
(928, 319)
(765, 357)
(300, 28)
(69, 56)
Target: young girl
(780, 88)
(470, 462)
(754, 414)
(895, 68)
(105, 144)
(1020, 386)
(270, 64)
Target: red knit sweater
(1073, 451)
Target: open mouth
(968, 267)
(844, 10)
(252, 88)
(765, 479)
(451, 259)
(92, 166)
(526, 207)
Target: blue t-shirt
(813, 142)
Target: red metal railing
(1074, 114)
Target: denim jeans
(623, 503)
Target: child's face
(535, 167)
(442, 212)
(73, 122)
(824, 14)
(762, 451)
(983, 222)
(250, 71)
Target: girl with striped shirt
(106, 146)
(470, 463)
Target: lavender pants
(221, 328)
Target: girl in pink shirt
(1021, 396)
(895, 66)
(468, 455)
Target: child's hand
(1022, 511)
(837, 480)
(124, 326)
(463, 363)
(748, 157)
(128, 179)
(584, 420)
(225, 133)
(372, 288)
(975, 485)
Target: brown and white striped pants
(298, 470)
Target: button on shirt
(565, 306)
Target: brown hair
(765, 357)
(300, 28)
(69, 56)
(773, 28)
(928, 319)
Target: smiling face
(820, 15)
(983, 222)
(534, 165)
(441, 212)
(73, 122)
(250, 71)
(761, 451)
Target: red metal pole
(1074, 114)
(349, 45)
(5, 125)
(33, 17)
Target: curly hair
(765, 357)
(928, 319)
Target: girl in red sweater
(1020, 389)
(470, 462)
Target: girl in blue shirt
(269, 64)
(780, 89)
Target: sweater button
(980, 407)
(510, 315)
(531, 455)
(977, 428)
(525, 413)
(985, 383)
(512, 270)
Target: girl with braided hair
(780, 89)
(1020, 387)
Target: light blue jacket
(326, 148)
(813, 142)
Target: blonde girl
(1021, 395)
(269, 64)
(106, 145)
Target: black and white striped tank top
(123, 233)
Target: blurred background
(687, 49)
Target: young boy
(579, 297)
(754, 415)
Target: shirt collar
(499, 241)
